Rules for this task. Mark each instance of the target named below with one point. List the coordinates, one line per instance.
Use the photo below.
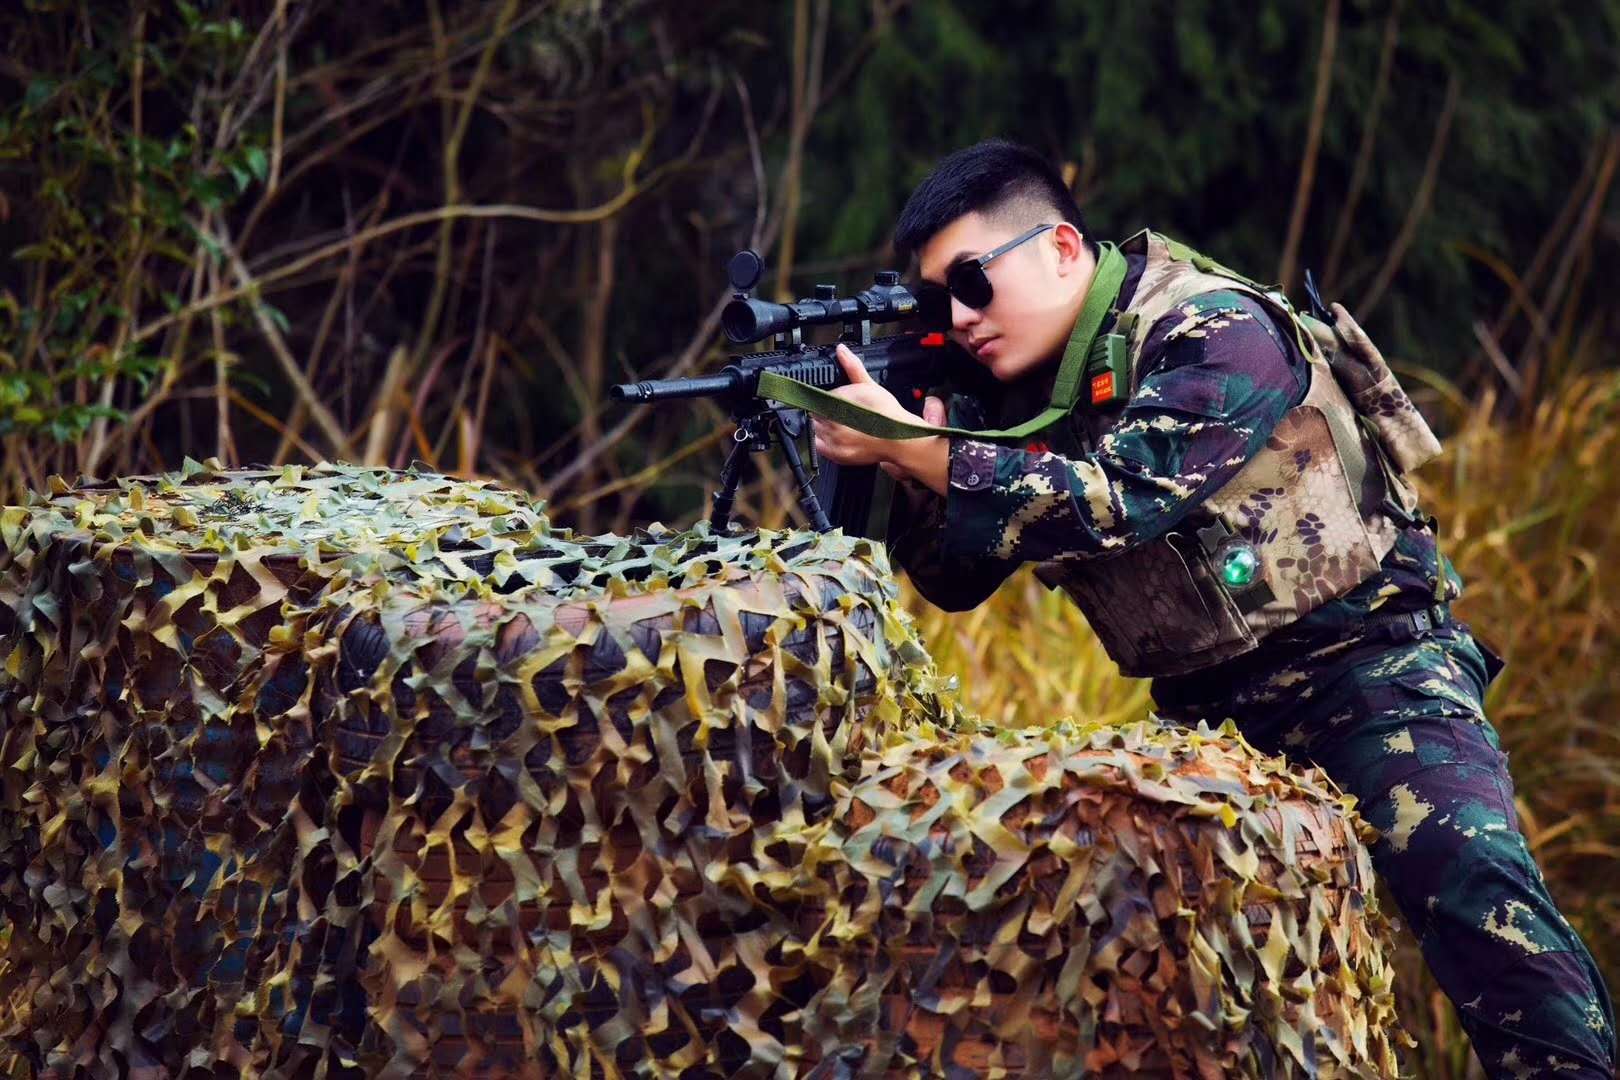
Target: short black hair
(984, 177)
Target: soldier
(1201, 486)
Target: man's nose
(963, 316)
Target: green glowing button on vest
(1239, 564)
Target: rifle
(907, 364)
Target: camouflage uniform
(1379, 687)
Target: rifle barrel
(672, 389)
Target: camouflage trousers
(1402, 727)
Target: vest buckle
(1408, 626)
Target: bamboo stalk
(1364, 152)
(1313, 143)
(342, 297)
(1420, 202)
(593, 348)
(1579, 242)
(1549, 241)
(806, 90)
(380, 425)
(451, 159)
(278, 112)
(137, 200)
(476, 351)
(224, 447)
(481, 409)
(418, 402)
(248, 286)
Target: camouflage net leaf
(337, 771)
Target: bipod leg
(730, 477)
(807, 488)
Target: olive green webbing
(1346, 441)
(1100, 297)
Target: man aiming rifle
(1219, 483)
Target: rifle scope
(748, 318)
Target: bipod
(757, 431)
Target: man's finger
(934, 411)
(854, 370)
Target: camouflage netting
(338, 772)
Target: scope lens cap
(744, 269)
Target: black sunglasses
(966, 281)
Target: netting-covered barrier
(336, 771)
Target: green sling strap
(1083, 340)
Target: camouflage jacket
(1214, 379)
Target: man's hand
(926, 460)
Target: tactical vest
(1307, 519)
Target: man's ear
(1071, 248)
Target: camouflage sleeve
(947, 580)
(917, 543)
(1219, 375)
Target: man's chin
(1006, 368)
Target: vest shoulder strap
(1174, 273)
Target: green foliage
(1191, 118)
(117, 167)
